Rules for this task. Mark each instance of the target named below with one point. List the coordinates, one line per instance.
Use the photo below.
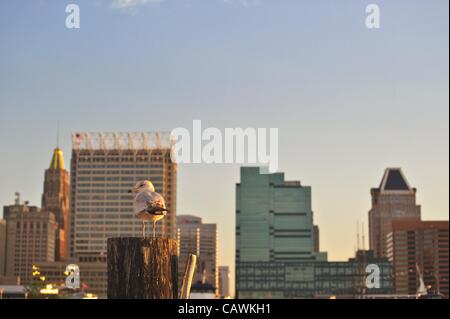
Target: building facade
(200, 239)
(224, 282)
(274, 229)
(320, 279)
(30, 235)
(104, 167)
(419, 247)
(2, 247)
(55, 199)
(394, 199)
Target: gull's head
(141, 186)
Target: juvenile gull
(148, 204)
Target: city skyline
(349, 102)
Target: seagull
(148, 204)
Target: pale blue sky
(348, 101)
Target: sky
(348, 101)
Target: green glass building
(277, 248)
(274, 220)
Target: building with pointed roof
(56, 199)
(393, 200)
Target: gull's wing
(158, 200)
(141, 201)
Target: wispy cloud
(126, 4)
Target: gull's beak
(130, 191)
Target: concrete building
(414, 246)
(313, 279)
(274, 229)
(200, 239)
(55, 199)
(224, 282)
(2, 247)
(30, 235)
(394, 199)
(104, 167)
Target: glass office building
(274, 225)
(277, 245)
(314, 279)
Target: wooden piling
(142, 268)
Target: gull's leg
(154, 229)
(143, 229)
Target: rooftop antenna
(363, 238)
(57, 134)
(357, 235)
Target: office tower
(104, 167)
(195, 237)
(55, 199)
(414, 246)
(224, 281)
(30, 235)
(274, 227)
(2, 247)
(393, 200)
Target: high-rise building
(394, 199)
(274, 228)
(200, 239)
(104, 167)
(30, 235)
(224, 281)
(2, 247)
(419, 247)
(55, 199)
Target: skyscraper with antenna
(56, 199)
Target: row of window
(124, 189)
(104, 210)
(122, 178)
(103, 197)
(147, 166)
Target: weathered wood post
(187, 278)
(141, 268)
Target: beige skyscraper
(2, 246)
(30, 235)
(104, 167)
(393, 200)
(55, 199)
(224, 281)
(195, 237)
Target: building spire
(57, 159)
(57, 135)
